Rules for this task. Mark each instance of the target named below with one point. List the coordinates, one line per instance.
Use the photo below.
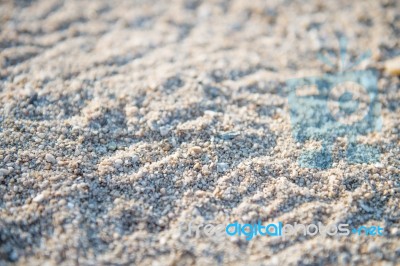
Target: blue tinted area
(311, 118)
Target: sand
(121, 120)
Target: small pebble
(50, 158)
(118, 162)
(38, 198)
(13, 256)
(195, 150)
(4, 172)
(222, 167)
(112, 146)
(392, 66)
(229, 135)
(164, 130)
(135, 158)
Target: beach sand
(122, 120)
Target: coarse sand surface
(122, 120)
